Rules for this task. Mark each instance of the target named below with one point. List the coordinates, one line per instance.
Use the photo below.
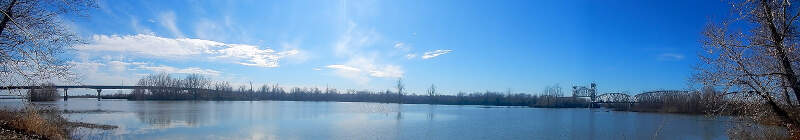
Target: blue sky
(457, 45)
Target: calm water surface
(346, 120)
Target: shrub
(43, 122)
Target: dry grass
(38, 122)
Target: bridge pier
(65, 94)
(98, 94)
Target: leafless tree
(756, 64)
(400, 87)
(33, 37)
(432, 93)
(550, 95)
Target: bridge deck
(64, 87)
(91, 87)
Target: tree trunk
(7, 16)
(777, 38)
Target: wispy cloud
(361, 69)
(168, 20)
(190, 70)
(138, 28)
(402, 46)
(115, 70)
(388, 71)
(363, 62)
(670, 57)
(183, 48)
(255, 56)
(354, 39)
(435, 53)
(411, 56)
(343, 67)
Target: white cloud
(360, 69)
(670, 57)
(388, 71)
(150, 45)
(362, 61)
(206, 29)
(183, 48)
(114, 70)
(300, 56)
(411, 56)
(119, 66)
(402, 46)
(255, 56)
(138, 28)
(343, 67)
(435, 53)
(167, 19)
(190, 70)
(353, 40)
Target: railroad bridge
(622, 98)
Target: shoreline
(42, 122)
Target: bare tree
(432, 94)
(756, 68)
(432, 91)
(550, 95)
(400, 88)
(32, 38)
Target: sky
(457, 45)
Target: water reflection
(431, 112)
(163, 114)
(334, 120)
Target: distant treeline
(198, 87)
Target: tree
(400, 88)
(432, 91)
(33, 35)
(432, 94)
(757, 69)
(550, 95)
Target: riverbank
(34, 122)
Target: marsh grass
(37, 122)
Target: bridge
(622, 98)
(99, 88)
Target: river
(355, 120)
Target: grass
(35, 122)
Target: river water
(354, 120)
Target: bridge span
(619, 98)
(99, 88)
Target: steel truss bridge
(656, 96)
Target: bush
(37, 122)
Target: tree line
(198, 87)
